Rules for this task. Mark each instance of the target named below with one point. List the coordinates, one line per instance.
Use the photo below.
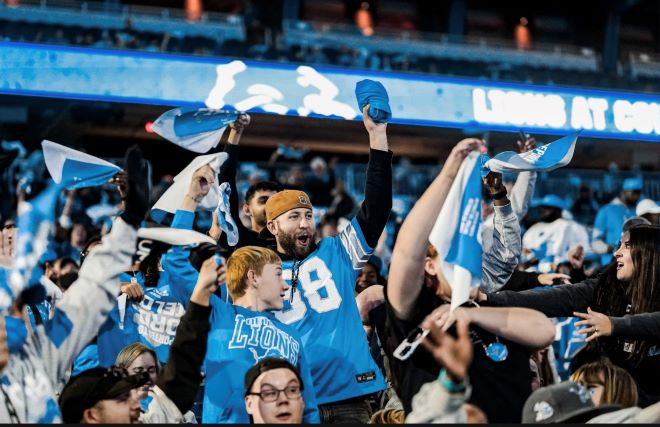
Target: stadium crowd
(293, 303)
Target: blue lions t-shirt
(239, 338)
(326, 315)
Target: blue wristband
(450, 385)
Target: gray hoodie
(33, 374)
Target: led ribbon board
(290, 89)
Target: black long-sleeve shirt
(562, 301)
(246, 237)
(181, 376)
(377, 204)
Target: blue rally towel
(75, 169)
(542, 159)
(35, 227)
(374, 93)
(455, 234)
(195, 129)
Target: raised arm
(229, 168)
(501, 259)
(409, 254)
(181, 376)
(523, 188)
(182, 274)
(375, 210)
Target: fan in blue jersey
(321, 303)
(246, 332)
(153, 301)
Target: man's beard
(288, 243)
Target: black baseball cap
(93, 385)
(566, 402)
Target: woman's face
(624, 264)
(144, 363)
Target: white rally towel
(75, 169)
(456, 234)
(544, 158)
(174, 236)
(195, 129)
(171, 200)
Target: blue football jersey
(239, 338)
(152, 321)
(326, 315)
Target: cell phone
(410, 344)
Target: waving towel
(171, 200)
(455, 234)
(75, 169)
(374, 94)
(225, 221)
(195, 129)
(544, 158)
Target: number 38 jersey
(325, 313)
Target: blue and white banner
(195, 129)
(171, 200)
(35, 227)
(545, 158)
(75, 169)
(456, 234)
(324, 92)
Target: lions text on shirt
(239, 338)
(326, 315)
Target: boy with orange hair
(245, 332)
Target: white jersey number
(316, 284)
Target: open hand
(455, 355)
(598, 324)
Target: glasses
(271, 395)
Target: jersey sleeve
(355, 245)
(182, 275)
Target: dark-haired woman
(620, 308)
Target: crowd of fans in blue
(293, 307)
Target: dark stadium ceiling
(106, 129)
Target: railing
(143, 18)
(433, 45)
(644, 64)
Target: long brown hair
(619, 386)
(612, 297)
